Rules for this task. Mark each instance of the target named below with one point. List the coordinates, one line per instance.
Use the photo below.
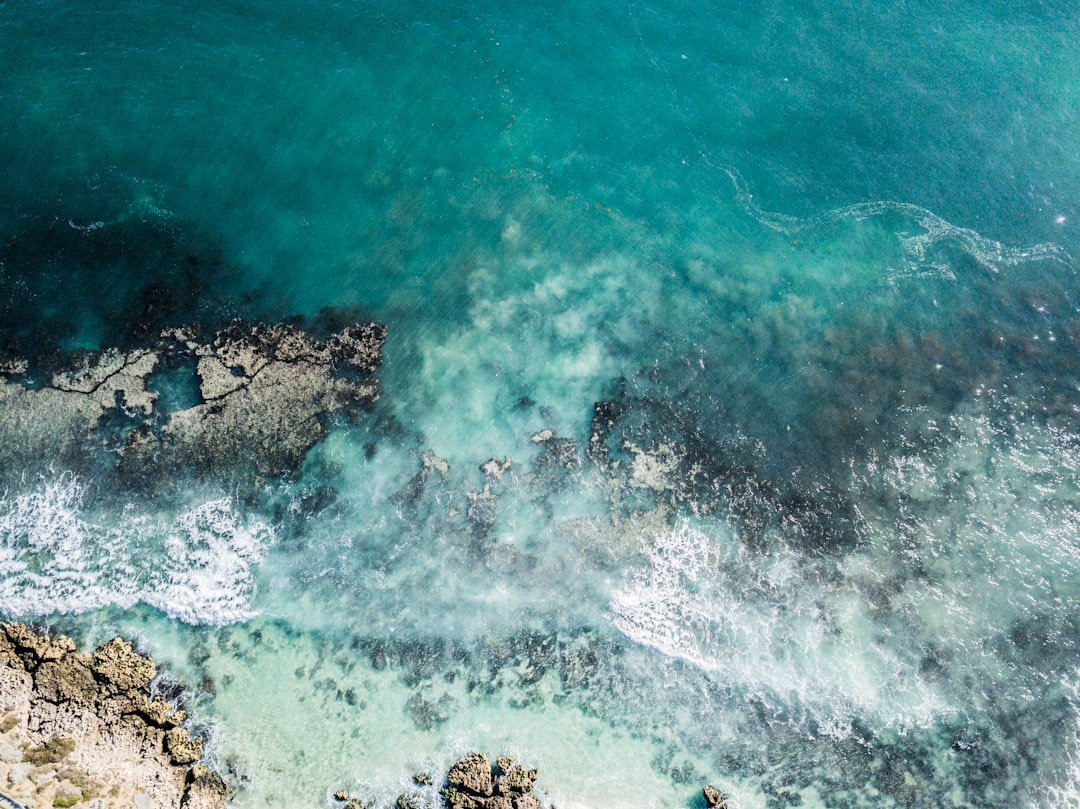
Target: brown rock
(504, 763)
(118, 664)
(714, 798)
(472, 774)
(182, 749)
(87, 728)
(456, 799)
(204, 789)
(517, 781)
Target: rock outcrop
(714, 798)
(472, 783)
(266, 392)
(83, 730)
(265, 396)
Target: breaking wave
(195, 566)
(769, 628)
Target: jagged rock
(472, 774)
(203, 789)
(31, 647)
(341, 795)
(430, 461)
(470, 785)
(13, 366)
(494, 468)
(88, 726)
(422, 778)
(124, 669)
(162, 714)
(457, 799)
(265, 391)
(266, 394)
(182, 749)
(69, 679)
(103, 375)
(714, 798)
(517, 781)
(359, 346)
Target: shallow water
(793, 288)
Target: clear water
(818, 260)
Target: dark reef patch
(69, 284)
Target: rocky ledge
(83, 730)
(265, 394)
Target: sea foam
(57, 556)
(770, 629)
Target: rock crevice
(83, 730)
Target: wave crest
(196, 566)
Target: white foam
(1064, 793)
(918, 247)
(765, 627)
(195, 566)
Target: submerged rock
(266, 391)
(82, 727)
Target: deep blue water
(793, 286)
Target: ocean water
(793, 287)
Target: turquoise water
(793, 287)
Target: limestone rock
(103, 375)
(266, 391)
(517, 781)
(124, 669)
(470, 785)
(494, 468)
(472, 774)
(203, 789)
(65, 680)
(81, 729)
(714, 798)
(266, 395)
(182, 749)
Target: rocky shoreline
(85, 730)
(80, 729)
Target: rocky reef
(265, 394)
(81, 729)
(471, 783)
